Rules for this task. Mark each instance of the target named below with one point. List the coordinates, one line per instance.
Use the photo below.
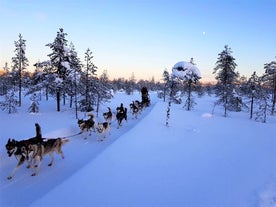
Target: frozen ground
(200, 160)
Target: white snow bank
(197, 161)
(207, 115)
(268, 195)
(223, 164)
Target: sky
(142, 37)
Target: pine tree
(173, 86)
(59, 61)
(166, 79)
(34, 108)
(74, 77)
(36, 83)
(131, 84)
(5, 81)
(226, 77)
(45, 73)
(261, 112)
(20, 62)
(104, 78)
(10, 104)
(270, 81)
(89, 77)
(103, 91)
(253, 90)
(190, 79)
(187, 74)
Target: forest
(68, 79)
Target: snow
(58, 81)
(271, 67)
(66, 65)
(43, 63)
(186, 70)
(201, 159)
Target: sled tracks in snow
(78, 153)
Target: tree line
(68, 79)
(257, 94)
(63, 76)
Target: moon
(203, 33)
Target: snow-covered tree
(36, 83)
(19, 64)
(263, 105)
(188, 74)
(236, 102)
(253, 90)
(130, 84)
(105, 78)
(73, 80)
(166, 79)
(11, 102)
(59, 62)
(5, 80)
(34, 108)
(172, 87)
(88, 82)
(103, 92)
(270, 81)
(6, 68)
(45, 75)
(118, 84)
(226, 78)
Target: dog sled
(145, 96)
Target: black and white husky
(102, 128)
(108, 115)
(21, 149)
(121, 115)
(87, 125)
(134, 109)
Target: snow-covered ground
(199, 160)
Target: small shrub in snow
(34, 108)
(261, 113)
(10, 104)
(85, 106)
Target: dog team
(33, 150)
(104, 127)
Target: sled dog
(121, 114)
(21, 150)
(48, 146)
(134, 109)
(87, 125)
(108, 115)
(102, 128)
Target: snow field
(201, 159)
